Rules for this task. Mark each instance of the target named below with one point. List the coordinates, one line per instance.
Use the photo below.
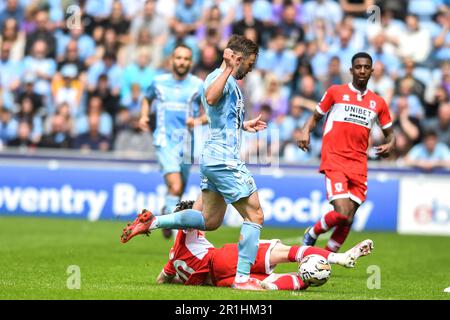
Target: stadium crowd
(73, 73)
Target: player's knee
(212, 224)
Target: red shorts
(224, 263)
(346, 185)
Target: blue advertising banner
(93, 194)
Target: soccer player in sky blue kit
(177, 97)
(224, 177)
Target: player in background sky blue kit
(176, 97)
(224, 177)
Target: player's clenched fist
(303, 141)
(231, 59)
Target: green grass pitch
(35, 254)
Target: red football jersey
(190, 257)
(350, 117)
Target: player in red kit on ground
(351, 111)
(193, 260)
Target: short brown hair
(243, 45)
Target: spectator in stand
(380, 83)
(213, 30)
(59, 135)
(27, 92)
(277, 59)
(403, 121)
(249, 21)
(292, 153)
(105, 121)
(209, 60)
(144, 41)
(327, 10)
(12, 34)
(109, 67)
(441, 37)
(155, 23)
(296, 118)
(10, 74)
(139, 72)
(391, 28)
(23, 139)
(93, 139)
(415, 107)
(335, 75)
(345, 46)
(42, 68)
(308, 92)
(118, 21)
(8, 126)
(275, 96)
(42, 33)
(12, 10)
(26, 114)
(72, 57)
(441, 123)
(290, 25)
(430, 154)
(389, 60)
(83, 42)
(189, 14)
(67, 88)
(110, 101)
(409, 40)
(356, 8)
(133, 101)
(131, 140)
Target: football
(314, 270)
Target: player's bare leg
(250, 210)
(342, 215)
(347, 207)
(214, 208)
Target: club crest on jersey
(346, 97)
(373, 105)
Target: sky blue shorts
(171, 161)
(233, 182)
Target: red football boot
(139, 226)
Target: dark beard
(181, 74)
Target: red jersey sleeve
(384, 116)
(326, 102)
(169, 269)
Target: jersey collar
(359, 94)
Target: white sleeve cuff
(319, 110)
(387, 125)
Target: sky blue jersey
(175, 101)
(226, 120)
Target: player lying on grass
(193, 260)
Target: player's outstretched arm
(215, 90)
(303, 142)
(254, 125)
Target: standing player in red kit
(351, 110)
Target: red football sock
(314, 250)
(338, 237)
(328, 221)
(290, 282)
(292, 256)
